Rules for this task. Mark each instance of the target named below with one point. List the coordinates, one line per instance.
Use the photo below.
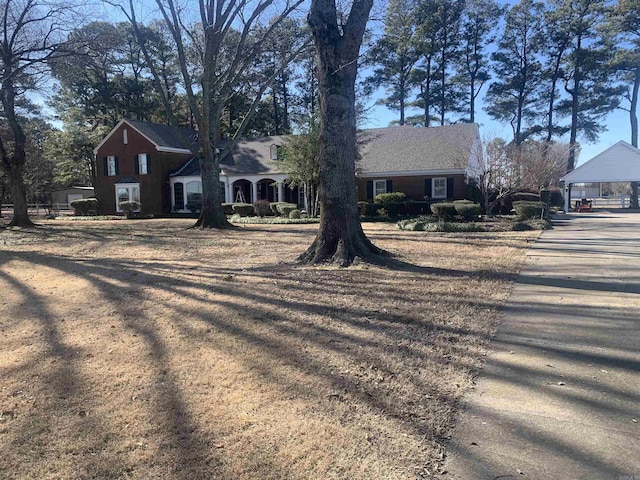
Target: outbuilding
(618, 163)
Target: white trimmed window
(379, 186)
(127, 192)
(111, 166)
(143, 164)
(125, 136)
(193, 191)
(439, 189)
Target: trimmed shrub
(448, 227)
(525, 210)
(525, 197)
(274, 207)
(363, 208)
(83, 206)
(415, 207)
(444, 212)
(262, 207)
(285, 208)
(227, 208)
(129, 208)
(294, 214)
(394, 197)
(194, 207)
(463, 202)
(468, 211)
(243, 209)
(552, 196)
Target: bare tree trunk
(13, 164)
(340, 238)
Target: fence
(611, 202)
(38, 209)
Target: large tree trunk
(211, 215)
(19, 196)
(13, 164)
(340, 238)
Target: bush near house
(386, 198)
(468, 211)
(129, 208)
(263, 208)
(83, 206)
(552, 196)
(295, 214)
(284, 208)
(444, 212)
(409, 207)
(526, 210)
(244, 209)
(227, 208)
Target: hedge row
(261, 208)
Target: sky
(616, 123)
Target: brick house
(155, 164)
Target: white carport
(618, 163)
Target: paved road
(559, 397)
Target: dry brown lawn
(144, 350)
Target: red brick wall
(154, 187)
(413, 187)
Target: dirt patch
(141, 349)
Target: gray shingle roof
(252, 157)
(410, 149)
(383, 150)
(166, 135)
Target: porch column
(254, 192)
(280, 192)
(228, 191)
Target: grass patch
(149, 350)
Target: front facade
(155, 165)
(133, 164)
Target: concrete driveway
(559, 397)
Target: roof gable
(618, 163)
(165, 138)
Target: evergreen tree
(586, 72)
(480, 18)
(512, 97)
(394, 56)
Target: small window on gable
(379, 186)
(273, 152)
(111, 166)
(125, 136)
(439, 188)
(143, 164)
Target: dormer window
(125, 136)
(273, 151)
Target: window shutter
(136, 164)
(106, 166)
(148, 164)
(389, 186)
(117, 167)
(449, 187)
(427, 187)
(369, 189)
